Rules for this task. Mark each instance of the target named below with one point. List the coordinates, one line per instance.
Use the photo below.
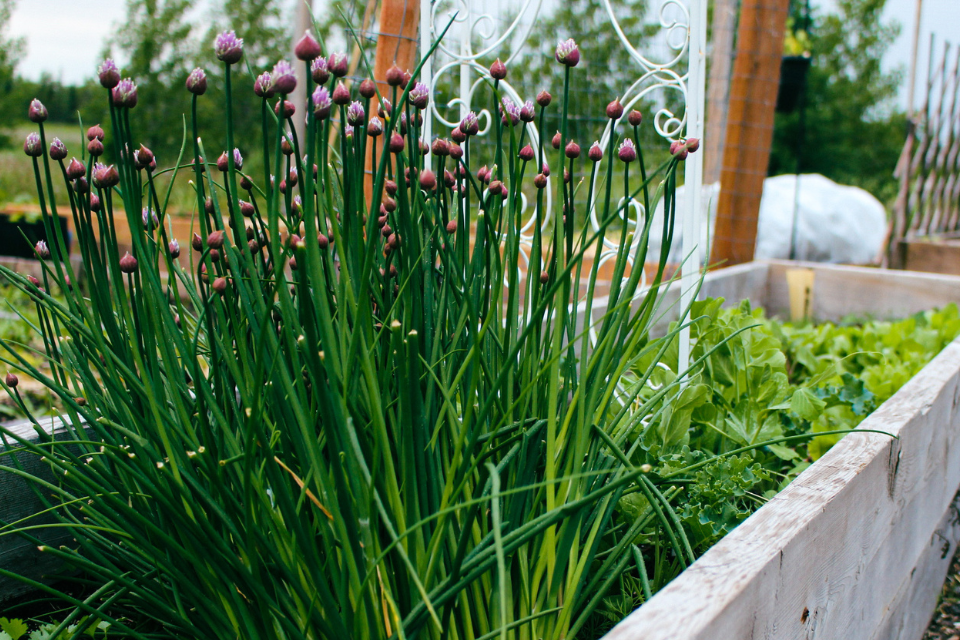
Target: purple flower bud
(428, 180)
(693, 144)
(527, 153)
(440, 148)
(545, 169)
(288, 108)
(368, 88)
(419, 95)
(498, 70)
(283, 78)
(484, 174)
(95, 148)
(470, 125)
(32, 145)
(374, 127)
(174, 248)
(95, 133)
(457, 135)
(307, 48)
(572, 150)
(220, 285)
(128, 264)
(58, 150)
(12, 381)
(215, 239)
(394, 76)
(341, 95)
(228, 47)
(456, 151)
(142, 157)
(396, 143)
(150, 220)
(80, 185)
(197, 82)
(567, 53)
(109, 74)
(337, 64)
(42, 250)
(627, 152)
(37, 112)
(94, 202)
(321, 103)
(555, 141)
(510, 111)
(348, 131)
(247, 209)
(595, 153)
(544, 98)
(355, 114)
(262, 86)
(540, 181)
(614, 110)
(385, 110)
(223, 162)
(104, 176)
(320, 71)
(635, 118)
(75, 169)
(125, 94)
(527, 111)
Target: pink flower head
(125, 94)
(510, 111)
(197, 82)
(105, 176)
(307, 48)
(419, 95)
(283, 78)
(596, 152)
(228, 47)
(58, 150)
(32, 145)
(321, 103)
(37, 112)
(568, 54)
(374, 127)
(320, 71)
(262, 86)
(627, 152)
(470, 125)
(337, 63)
(355, 113)
(527, 111)
(109, 74)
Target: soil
(946, 618)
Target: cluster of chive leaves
(352, 414)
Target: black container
(793, 77)
(14, 228)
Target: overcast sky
(65, 37)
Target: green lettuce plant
(349, 412)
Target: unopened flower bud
(12, 381)
(109, 74)
(428, 180)
(95, 148)
(307, 48)
(37, 112)
(456, 151)
(567, 53)
(320, 71)
(197, 82)
(75, 169)
(42, 250)
(540, 181)
(174, 248)
(228, 47)
(457, 135)
(440, 148)
(32, 145)
(614, 110)
(635, 118)
(527, 153)
(80, 185)
(247, 209)
(555, 141)
(337, 64)
(527, 111)
(368, 88)
(572, 150)
(208, 207)
(128, 264)
(341, 95)
(627, 152)
(595, 153)
(220, 285)
(245, 183)
(142, 157)
(262, 86)
(283, 79)
(544, 98)
(498, 70)
(390, 187)
(95, 204)
(95, 133)
(374, 127)
(105, 176)
(394, 76)
(396, 143)
(197, 243)
(58, 150)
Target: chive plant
(348, 412)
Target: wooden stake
(718, 87)
(753, 98)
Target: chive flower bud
(456, 151)
(320, 70)
(693, 144)
(32, 145)
(545, 169)
(105, 176)
(95, 148)
(75, 169)
(368, 88)
(80, 185)
(95, 204)
(149, 217)
(374, 127)
(555, 141)
(540, 181)
(595, 153)
(470, 125)
(452, 226)
(484, 174)
(307, 48)
(208, 206)
(428, 180)
(283, 78)
(385, 110)
(215, 239)
(321, 103)
(128, 264)
(42, 250)
(223, 162)
(627, 152)
(440, 147)
(341, 95)
(457, 135)
(228, 47)
(197, 82)
(247, 209)
(125, 94)
(407, 76)
(58, 150)
(12, 381)
(95, 133)
(245, 183)
(567, 53)
(394, 76)
(527, 154)
(109, 74)
(37, 112)
(337, 64)
(390, 187)
(635, 118)
(286, 146)
(262, 85)
(174, 248)
(510, 111)
(197, 243)
(527, 111)
(288, 109)
(544, 98)
(355, 114)
(572, 150)
(419, 96)
(396, 143)
(498, 70)
(614, 109)
(220, 285)
(142, 157)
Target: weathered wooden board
(858, 546)
(941, 256)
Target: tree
(11, 50)
(853, 131)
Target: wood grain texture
(932, 256)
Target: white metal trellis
(686, 37)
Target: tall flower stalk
(348, 414)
